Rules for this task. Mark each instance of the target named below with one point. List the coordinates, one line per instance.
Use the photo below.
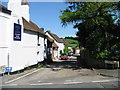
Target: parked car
(70, 54)
(64, 57)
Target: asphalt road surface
(62, 74)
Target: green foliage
(61, 52)
(96, 28)
(40, 66)
(103, 54)
(72, 41)
(66, 49)
(28, 68)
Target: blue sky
(46, 15)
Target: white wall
(15, 7)
(77, 51)
(4, 35)
(61, 47)
(16, 58)
(41, 48)
(18, 9)
(25, 12)
(70, 48)
(21, 53)
(24, 53)
(30, 47)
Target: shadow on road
(71, 63)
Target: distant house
(22, 42)
(57, 46)
(77, 50)
(70, 49)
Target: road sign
(8, 69)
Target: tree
(95, 22)
(66, 49)
(60, 52)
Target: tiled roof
(3, 6)
(55, 37)
(50, 39)
(32, 26)
(54, 45)
(4, 9)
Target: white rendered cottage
(5, 20)
(21, 40)
(57, 42)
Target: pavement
(108, 72)
(7, 77)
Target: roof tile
(32, 26)
(55, 37)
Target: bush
(40, 66)
(103, 54)
(66, 49)
(60, 52)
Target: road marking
(87, 82)
(41, 84)
(10, 85)
(39, 81)
(22, 76)
(102, 81)
(73, 82)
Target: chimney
(24, 2)
(25, 10)
(15, 7)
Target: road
(62, 74)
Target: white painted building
(21, 40)
(70, 49)
(5, 19)
(77, 50)
(58, 42)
